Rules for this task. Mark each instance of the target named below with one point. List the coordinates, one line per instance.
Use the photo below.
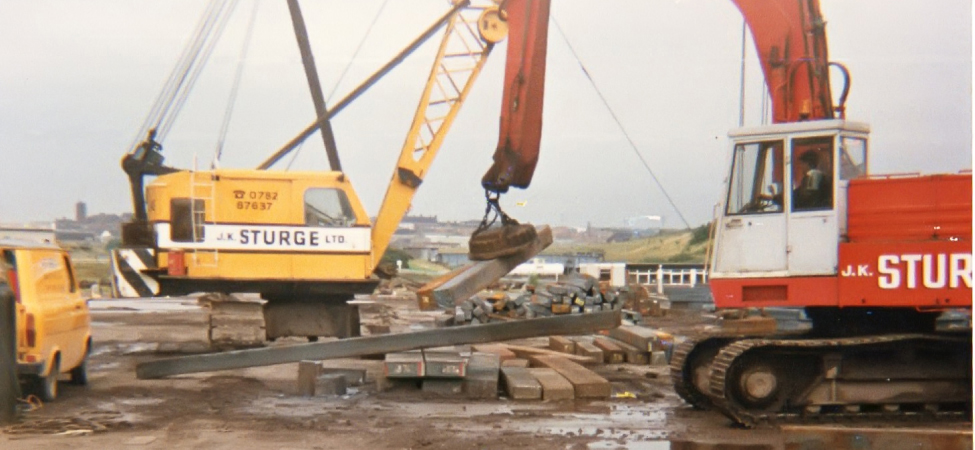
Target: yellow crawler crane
(302, 240)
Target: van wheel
(79, 375)
(48, 386)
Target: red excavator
(872, 260)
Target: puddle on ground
(619, 424)
(616, 445)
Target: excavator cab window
(756, 178)
(326, 207)
(853, 158)
(812, 174)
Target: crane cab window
(187, 217)
(812, 174)
(326, 207)
(756, 178)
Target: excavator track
(747, 359)
(683, 364)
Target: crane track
(729, 354)
(682, 383)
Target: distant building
(453, 257)
(636, 228)
(80, 211)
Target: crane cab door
(752, 230)
(786, 204)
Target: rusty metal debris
(86, 422)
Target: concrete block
(307, 376)
(554, 386)
(444, 364)
(331, 384)
(483, 371)
(404, 365)
(520, 384)
(443, 387)
(353, 377)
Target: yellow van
(53, 323)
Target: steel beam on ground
(371, 345)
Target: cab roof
(24, 244)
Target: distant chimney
(80, 211)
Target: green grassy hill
(688, 246)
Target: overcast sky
(77, 79)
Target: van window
(72, 285)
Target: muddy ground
(259, 408)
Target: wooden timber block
(517, 362)
(520, 384)
(503, 352)
(483, 371)
(585, 383)
(562, 344)
(307, 377)
(526, 352)
(643, 338)
(590, 351)
(404, 365)
(440, 364)
(612, 353)
(554, 386)
(633, 354)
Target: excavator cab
(784, 212)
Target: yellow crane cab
(261, 231)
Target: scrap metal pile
(574, 294)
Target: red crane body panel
(909, 243)
(909, 246)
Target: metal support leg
(9, 385)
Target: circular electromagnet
(492, 26)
